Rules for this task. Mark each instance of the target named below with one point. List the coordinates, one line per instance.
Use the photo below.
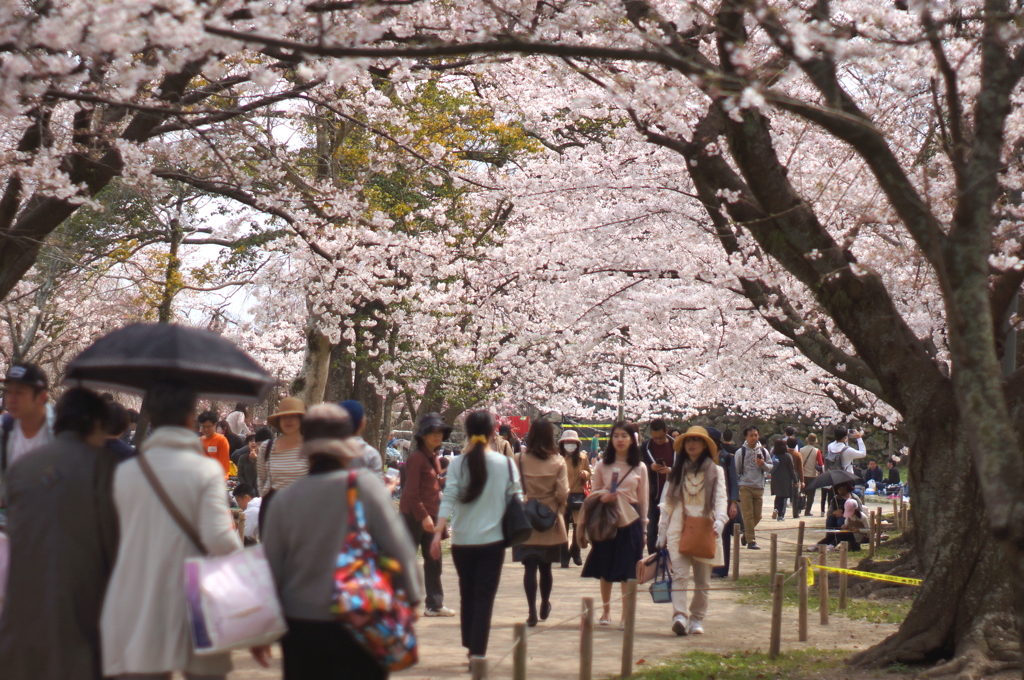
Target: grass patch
(875, 611)
(745, 666)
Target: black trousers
(479, 569)
(735, 524)
(827, 494)
(654, 518)
(431, 567)
(571, 549)
(810, 501)
(780, 505)
(323, 650)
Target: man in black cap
(29, 423)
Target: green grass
(744, 666)
(875, 611)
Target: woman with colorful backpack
(312, 534)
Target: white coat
(672, 518)
(145, 620)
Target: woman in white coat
(695, 487)
(144, 625)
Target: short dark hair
(243, 489)
(133, 415)
(658, 425)
(263, 434)
(750, 428)
(790, 431)
(117, 420)
(79, 411)
(208, 417)
(249, 438)
(791, 442)
(727, 436)
(170, 404)
(839, 433)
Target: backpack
(833, 459)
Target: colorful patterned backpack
(366, 600)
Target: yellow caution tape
(810, 572)
(864, 574)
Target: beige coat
(145, 620)
(575, 483)
(546, 480)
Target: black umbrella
(136, 357)
(830, 478)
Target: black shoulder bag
(515, 527)
(541, 517)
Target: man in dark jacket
(658, 454)
(245, 458)
(732, 490)
(63, 532)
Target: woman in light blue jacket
(480, 484)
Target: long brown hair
(540, 440)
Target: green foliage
(745, 666)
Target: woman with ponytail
(480, 484)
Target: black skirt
(545, 554)
(615, 560)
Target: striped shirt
(285, 467)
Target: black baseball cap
(29, 374)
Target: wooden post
(871, 535)
(587, 639)
(735, 553)
(906, 517)
(802, 589)
(629, 611)
(895, 515)
(775, 644)
(823, 585)
(843, 546)
(519, 653)
(800, 545)
(478, 668)
(773, 557)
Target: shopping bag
(366, 600)
(661, 589)
(5, 564)
(232, 602)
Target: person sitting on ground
(838, 516)
(874, 473)
(62, 527)
(249, 504)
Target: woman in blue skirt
(614, 560)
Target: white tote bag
(232, 602)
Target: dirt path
(554, 651)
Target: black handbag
(541, 517)
(515, 527)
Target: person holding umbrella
(421, 501)
(144, 625)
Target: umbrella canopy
(831, 478)
(136, 357)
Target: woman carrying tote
(543, 474)
(481, 482)
(303, 537)
(694, 493)
(577, 467)
(614, 560)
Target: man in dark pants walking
(732, 489)
(657, 452)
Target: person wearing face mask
(578, 466)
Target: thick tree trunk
(312, 381)
(965, 607)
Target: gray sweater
(306, 527)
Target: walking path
(553, 653)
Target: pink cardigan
(634, 486)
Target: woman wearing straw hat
(695, 488)
(279, 462)
(578, 469)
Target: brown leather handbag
(698, 536)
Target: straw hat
(289, 406)
(700, 432)
(569, 436)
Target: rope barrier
(507, 654)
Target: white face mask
(570, 448)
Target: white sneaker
(443, 611)
(679, 625)
(696, 628)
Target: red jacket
(421, 496)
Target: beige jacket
(575, 483)
(546, 481)
(144, 623)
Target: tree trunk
(964, 609)
(312, 381)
